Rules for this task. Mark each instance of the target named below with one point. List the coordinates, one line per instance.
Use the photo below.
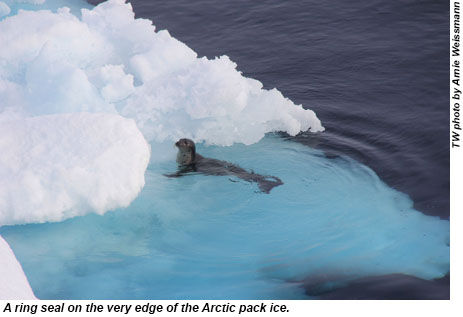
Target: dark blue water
(375, 72)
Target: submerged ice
(208, 237)
(85, 95)
(4, 9)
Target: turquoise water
(74, 5)
(209, 237)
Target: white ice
(66, 77)
(13, 282)
(82, 94)
(108, 61)
(59, 166)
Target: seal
(189, 161)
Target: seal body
(190, 161)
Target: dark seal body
(189, 161)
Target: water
(209, 237)
(374, 73)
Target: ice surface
(31, 1)
(80, 92)
(13, 282)
(107, 61)
(208, 237)
(59, 166)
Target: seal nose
(177, 143)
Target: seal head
(186, 152)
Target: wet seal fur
(190, 161)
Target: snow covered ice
(91, 102)
(107, 61)
(58, 166)
(13, 282)
(57, 68)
